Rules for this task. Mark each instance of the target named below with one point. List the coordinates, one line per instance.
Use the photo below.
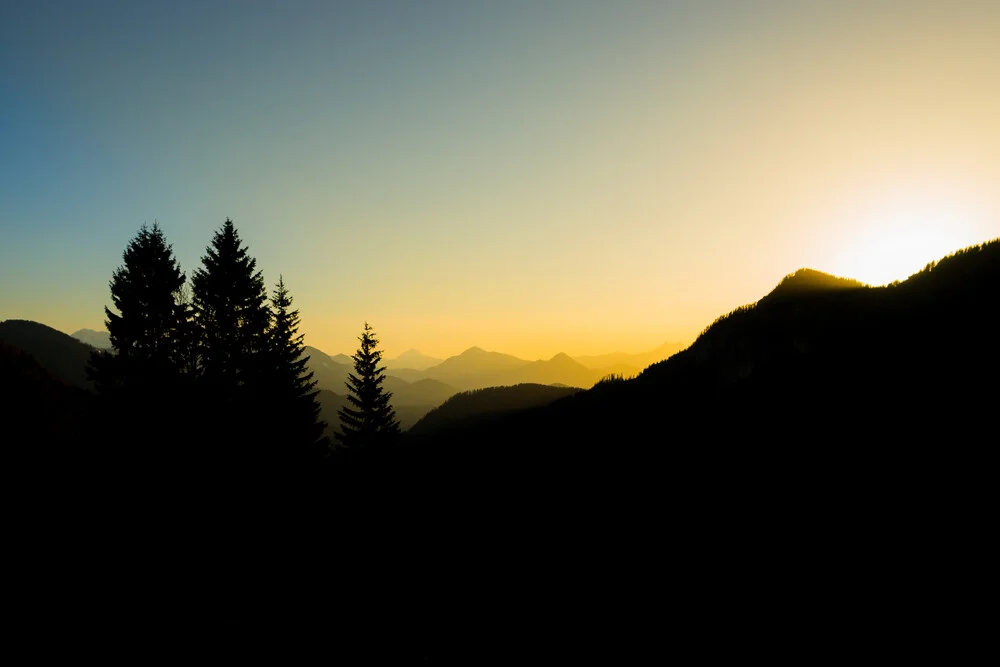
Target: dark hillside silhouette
(753, 467)
(805, 282)
(479, 405)
(45, 417)
(60, 354)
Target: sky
(526, 176)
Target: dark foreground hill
(813, 474)
(59, 353)
(39, 409)
(474, 407)
(810, 458)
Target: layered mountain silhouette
(477, 368)
(99, 339)
(328, 374)
(411, 400)
(817, 361)
(414, 394)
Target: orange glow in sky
(532, 178)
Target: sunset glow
(535, 178)
(899, 238)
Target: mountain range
(819, 362)
(815, 340)
(412, 359)
(415, 392)
(477, 368)
(423, 384)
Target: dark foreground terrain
(813, 475)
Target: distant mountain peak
(473, 351)
(98, 339)
(413, 359)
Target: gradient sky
(526, 176)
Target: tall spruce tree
(293, 392)
(149, 331)
(232, 321)
(231, 314)
(142, 381)
(371, 423)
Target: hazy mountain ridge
(626, 363)
(99, 339)
(477, 368)
(413, 359)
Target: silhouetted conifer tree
(372, 421)
(148, 332)
(231, 313)
(141, 378)
(232, 320)
(295, 408)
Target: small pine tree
(372, 421)
(295, 408)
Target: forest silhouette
(203, 496)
